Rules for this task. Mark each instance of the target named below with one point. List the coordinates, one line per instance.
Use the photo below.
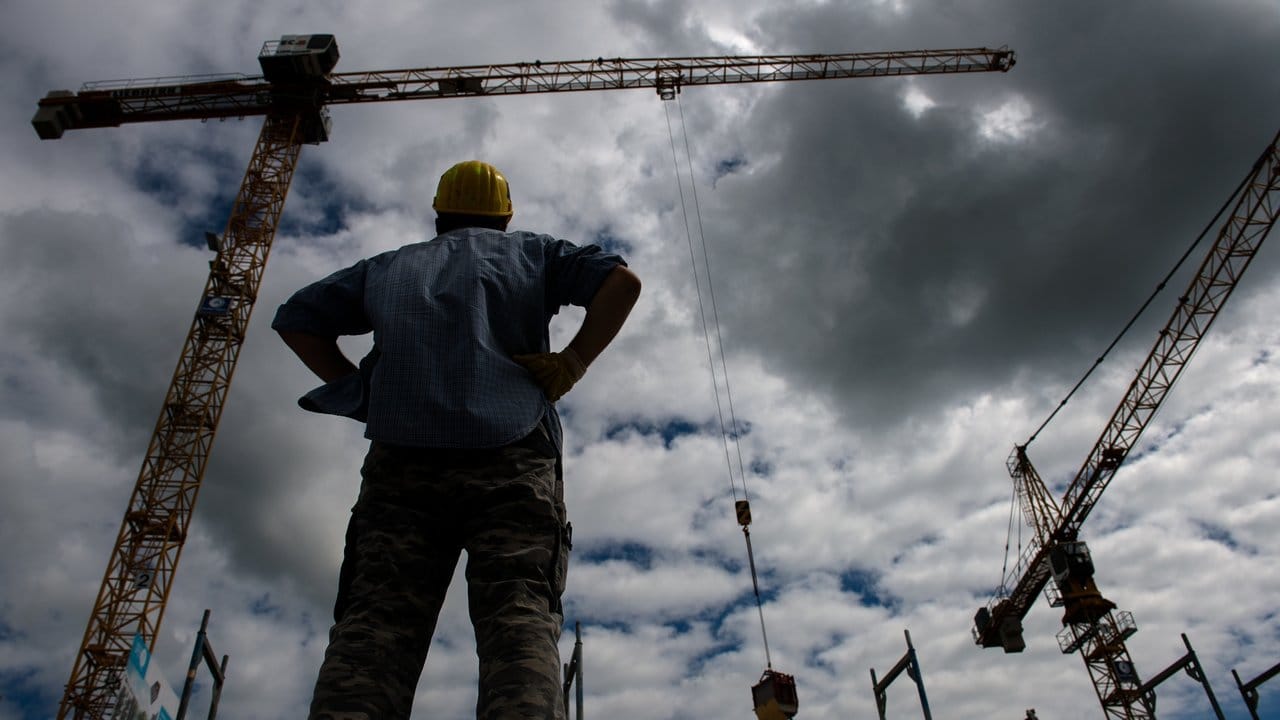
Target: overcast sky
(909, 274)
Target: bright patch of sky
(1012, 121)
(897, 6)
(916, 101)
(733, 40)
(963, 303)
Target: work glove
(555, 373)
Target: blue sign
(144, 695)
(216, 305)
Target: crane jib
(113, 103)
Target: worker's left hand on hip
(555, 373)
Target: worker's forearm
(321, 354)
(606, 313)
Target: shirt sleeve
(328, 308)
(575, 273)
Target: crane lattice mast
(1055, 550)
(294, 93)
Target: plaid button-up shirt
(447, 315)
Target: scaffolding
(573, 672)
(911, 665)
(203, 651)
(1249, 690)
(1191, 664)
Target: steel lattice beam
(112, 103)
(139, 575)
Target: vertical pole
(1249, 690)
(577, 655)
(1197, 673)
(881, 700)
(217, 689)
(203, 650)
(196, 655)
(1250, 695)
(573, 671)
(913, 671)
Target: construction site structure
(573, 673)
(203, 651)
(910, 664)
(1091, 625)
(1190, 664)
(1249, 690)
(294, 93)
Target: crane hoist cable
(774, 696)
(1013, 508)
(702, 314)
(1159, 288)
(742, 506)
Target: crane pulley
(294, 94)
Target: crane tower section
(141, 568)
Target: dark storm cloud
(666, 23)
(89, 336)
(926, 262)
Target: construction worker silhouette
(457, 397)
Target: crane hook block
(743, 509)
(775, 696)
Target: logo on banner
(144, 694)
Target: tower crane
(293, 94)
(1056, 551)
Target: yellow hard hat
(473, 188)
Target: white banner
(144, 694)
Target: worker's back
(447, 316)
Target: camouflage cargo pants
(418, 509)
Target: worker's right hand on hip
(555, 373)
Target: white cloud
(916, 101)
(1012, 121)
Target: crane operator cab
(1072, 568)
(775, 696)
(298, 67)
(297, 57)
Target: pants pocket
(560, 573)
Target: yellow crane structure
(293, 94)
(1056, 551)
